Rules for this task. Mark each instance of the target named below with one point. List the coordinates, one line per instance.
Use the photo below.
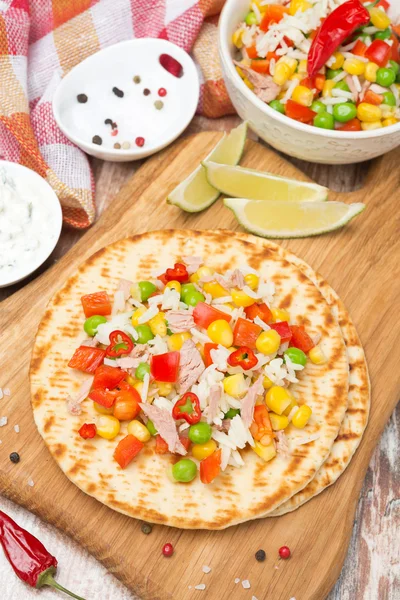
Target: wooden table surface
(372, 567)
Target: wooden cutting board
(361, 262)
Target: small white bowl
(45, 208)
(134, 114)
(287, 135)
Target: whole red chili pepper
(120, 344)
(345, 19)
(28, 557)
(242, 357)
(188, 408)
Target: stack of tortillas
(338, 392)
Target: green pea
(385, 77)
(331, 73)
(232, 412)
(278, 106)
(200, 433)
(318, 106)
(187, 287)
(91, 324)
(296, 355)
(383, 35)
(251, 18)
(344, 112)
(151, 428)
(398, 77)
(146, 289)
(389, 99)
(342, 85)
(394, 66)
(144, 334)
(324, 120)
(184, 470)
(194, 297)
(141, 370)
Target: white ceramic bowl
(45, 212)
(284, 134)
(134, 113)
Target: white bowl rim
(130, 153)
(56, 210)
(223, 44)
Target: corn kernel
(302, 66)
(235, 385)
(317, 356)
(240, 298)
(247, 82)
(277, 399)
(353, 66)
(220, 332)
(174, 285)
(379, 18)
(371, 126)
(290, 62)
(298, 5)
(176, 340)
(268, 342)
(387, 111)
(102, 409)
(302, 416)
(265, 452)
(328, 86)
(267, 383)
(108, 427)
(298, 76)
(131, 380)
(281, 95)
(389, 121)
(201, 451)
(369, 113)
(215, 289)
(158, 324)
(302, 95)
(137, 314)
(237, 38)
(371, 69)
(139, 386)
(278, 422)
(339, 60)
(252, 280)
(164, 388)
(139, 430)
(293, 403)
(282, 73)
(280, 314)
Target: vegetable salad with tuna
(332, 64)
(199, 360)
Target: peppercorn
(15, 457)
(146, 528)
(260, 555)
(162, 92)
(146, 91)
(168, 550)
(158, 104)
(82, 98)
(139, 141)
(136, 79)
(96, 139)
(118, 92)
(284, 552)
(108, 122)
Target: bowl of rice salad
(316, 79)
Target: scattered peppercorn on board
(361, 264)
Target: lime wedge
(276, 219)
(259, 185)
(195, 193)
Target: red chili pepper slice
(88, 431)
(178, 273)
(120, 344)
(87, 359)
(341, 23)
(242, 357)
(187, 408)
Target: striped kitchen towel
(41, 40)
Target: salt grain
(1, 394)
(206, 569)
(3, 421)
(31, 482)
(7, 392)
(237, 580)
(254, 598)
(16, 428)
(246, 584)
(201, 586)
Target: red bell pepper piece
(296, 111)
(260, 310)
(282, 327)
(273, 14)
(165, 367)
(260, 66)
(360, 48)
(185, 442)
(88, 431)
(301, 339)
(252, 52)
(341, 23)
(261, 427)
(210, 467)
(120, 344)
(87, 359)
(384, 4)
(245, 333)
(395, 47)
(98, 303)
(127, 449)
(378, 52)
(162, 446)
(204, 315)
(373, 98)
(103, 397)
(187, 408)
(178, 273)
(207, 353)
(107, 377)
(243, 357)
(352, 125)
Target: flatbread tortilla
(143, 490)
